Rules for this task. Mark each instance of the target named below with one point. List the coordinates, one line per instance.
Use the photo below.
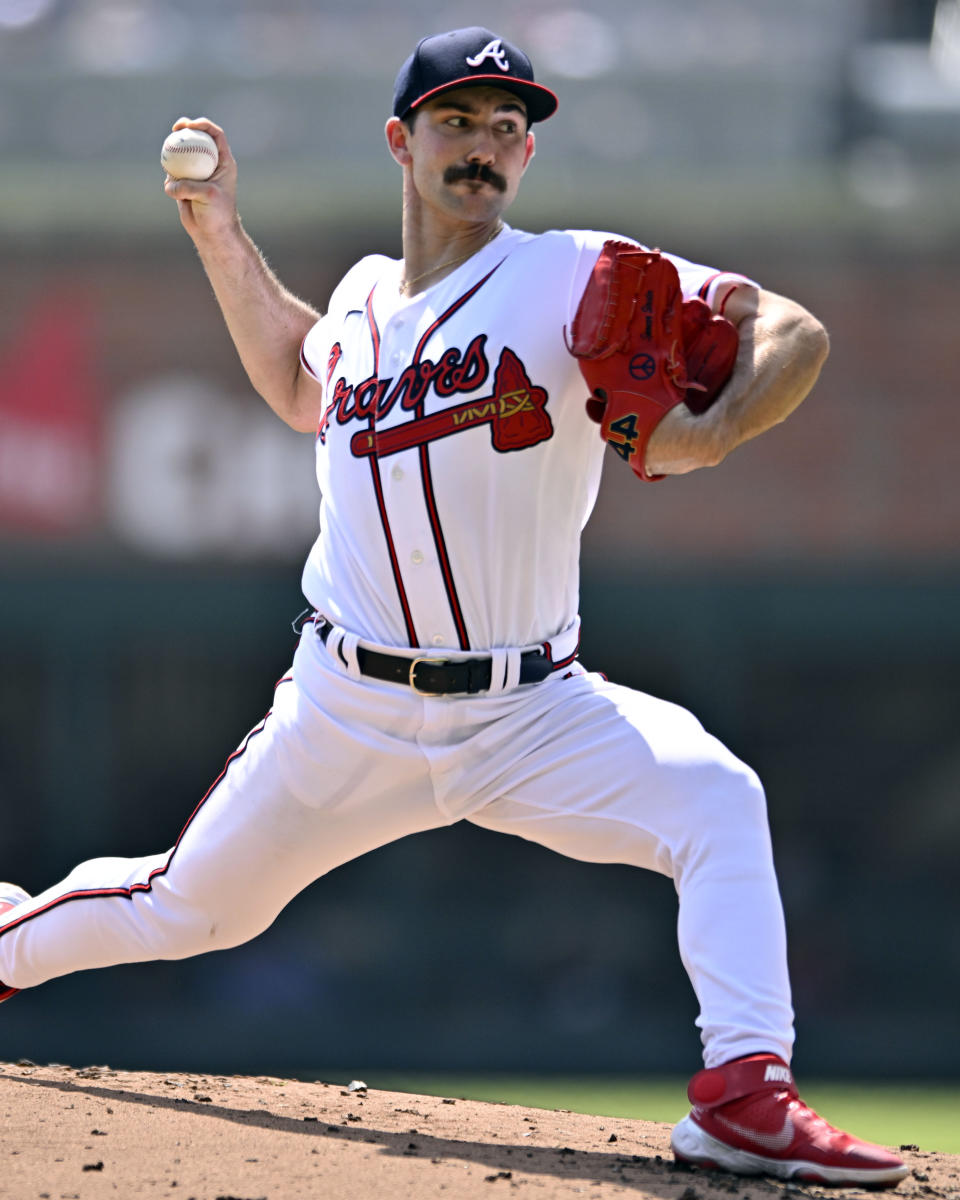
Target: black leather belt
(434, 676)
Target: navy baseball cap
(465, 57)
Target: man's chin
(486, 205)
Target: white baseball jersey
(456, 462)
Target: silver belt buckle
(413, 667)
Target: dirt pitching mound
(90, 1132)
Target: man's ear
(398, 140)
(530, 151)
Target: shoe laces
(817, 1128)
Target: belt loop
(500, 670)
(341, 647)
(346, 652)
(514, 657)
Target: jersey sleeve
(707, 283)
(315, 350)
(587, 243)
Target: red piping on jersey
(127, 893)
(438, 539)
(378, 486)
(730, 292)
(306, 366)
(444, 559)
(457, 304)
(708, 284)
(374, 333)
(705, 286)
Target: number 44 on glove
(643, 349)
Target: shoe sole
(693, 1145)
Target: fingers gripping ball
(633, 336)
(189, 154)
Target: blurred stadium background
(803, 598)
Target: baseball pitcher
(436, 678)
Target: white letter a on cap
(491, 50)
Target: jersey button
(397, 473)
(437, 639)
(417, 557)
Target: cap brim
(540, 101)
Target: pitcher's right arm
(266, 321)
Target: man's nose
(483, 149)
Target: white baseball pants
(342, 765)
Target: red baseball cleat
(10, 897)
(748, 1118)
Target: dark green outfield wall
(123, 691)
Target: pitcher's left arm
(782, 350)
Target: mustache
(474, 171)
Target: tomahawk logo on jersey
(515, 411)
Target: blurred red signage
(51, 426)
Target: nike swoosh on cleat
(777, 1140)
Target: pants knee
(729, 817)
(174, 926)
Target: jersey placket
(407, 498)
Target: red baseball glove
(643, 349)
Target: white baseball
(189, 154)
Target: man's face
(469, 149)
